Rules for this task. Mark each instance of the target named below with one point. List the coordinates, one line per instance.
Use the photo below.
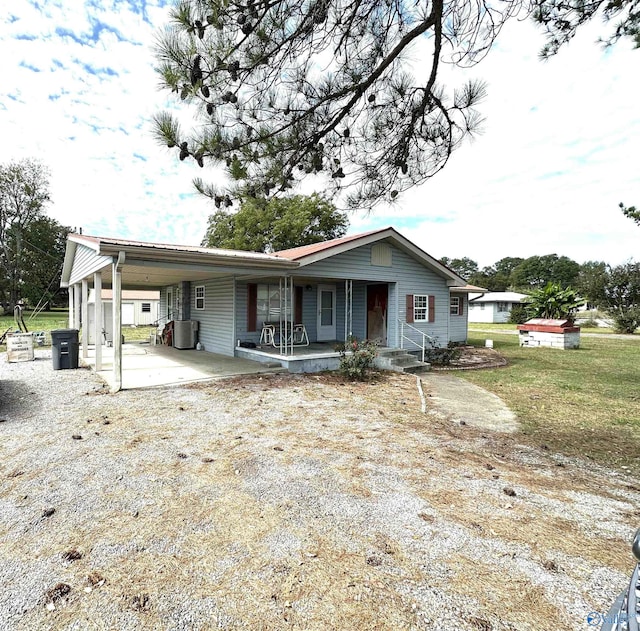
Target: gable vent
(381, 255)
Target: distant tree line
(613, 289)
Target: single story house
(375, 285)
(493, 306)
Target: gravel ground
(290, 502)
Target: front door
(326, 313)
(377, 299)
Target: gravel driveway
(290, 502)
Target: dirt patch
(303, 502)
(474, 358)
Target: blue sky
(558, 151)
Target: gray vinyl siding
(216, 320)
(405, 276)
(359, 310)
(458, 326)
(86, 262)
(309, 312)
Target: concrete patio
(146, 366)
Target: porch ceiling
(146, 276)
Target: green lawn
(44, 321)
(579, 402)
(48, 321)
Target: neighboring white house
(494, 306)
(139, 308)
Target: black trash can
(64, 348)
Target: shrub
(356, 358)
(554, 301)
(519, 314)
(441, 356)
(627, 321)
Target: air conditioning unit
(185, 334)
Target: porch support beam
(85, 318)
(76, 306)
(348, 309)
(117, 321)
(70, 291)
(97, 333)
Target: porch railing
(164, 319)
(404, 336)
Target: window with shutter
(409, 308)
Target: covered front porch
(287, 316)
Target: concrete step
(391, 352)
(400, 360)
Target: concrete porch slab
(147, 366)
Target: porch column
(348, 309)
(76, 306)
(85, 318)
(97, 333)
(70, 293)
(117, 321)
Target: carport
(123, 264)
(147, 366)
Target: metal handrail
(168, 318)
(404, 337)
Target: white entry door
(128, 313)
(326, 312)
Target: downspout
(117, 321)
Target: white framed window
(420, 308)
(200, 298)
(146, 307)
(455, 305)
(268, 304)
(503, 306)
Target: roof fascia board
(212, 267)
(142, 254)
(67, 266)
(92, 243)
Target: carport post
(97, 334)
(85, 318)
(70, 292)
(117, 321)
(76, 306)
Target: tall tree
(630, 211)
(277, 224)
(591, 280)
(621, 296)
(43, 248)
(464, 267)
(561, 19)
(536, 271)
(24, 193)
(282, 89)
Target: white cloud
(556, 156)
